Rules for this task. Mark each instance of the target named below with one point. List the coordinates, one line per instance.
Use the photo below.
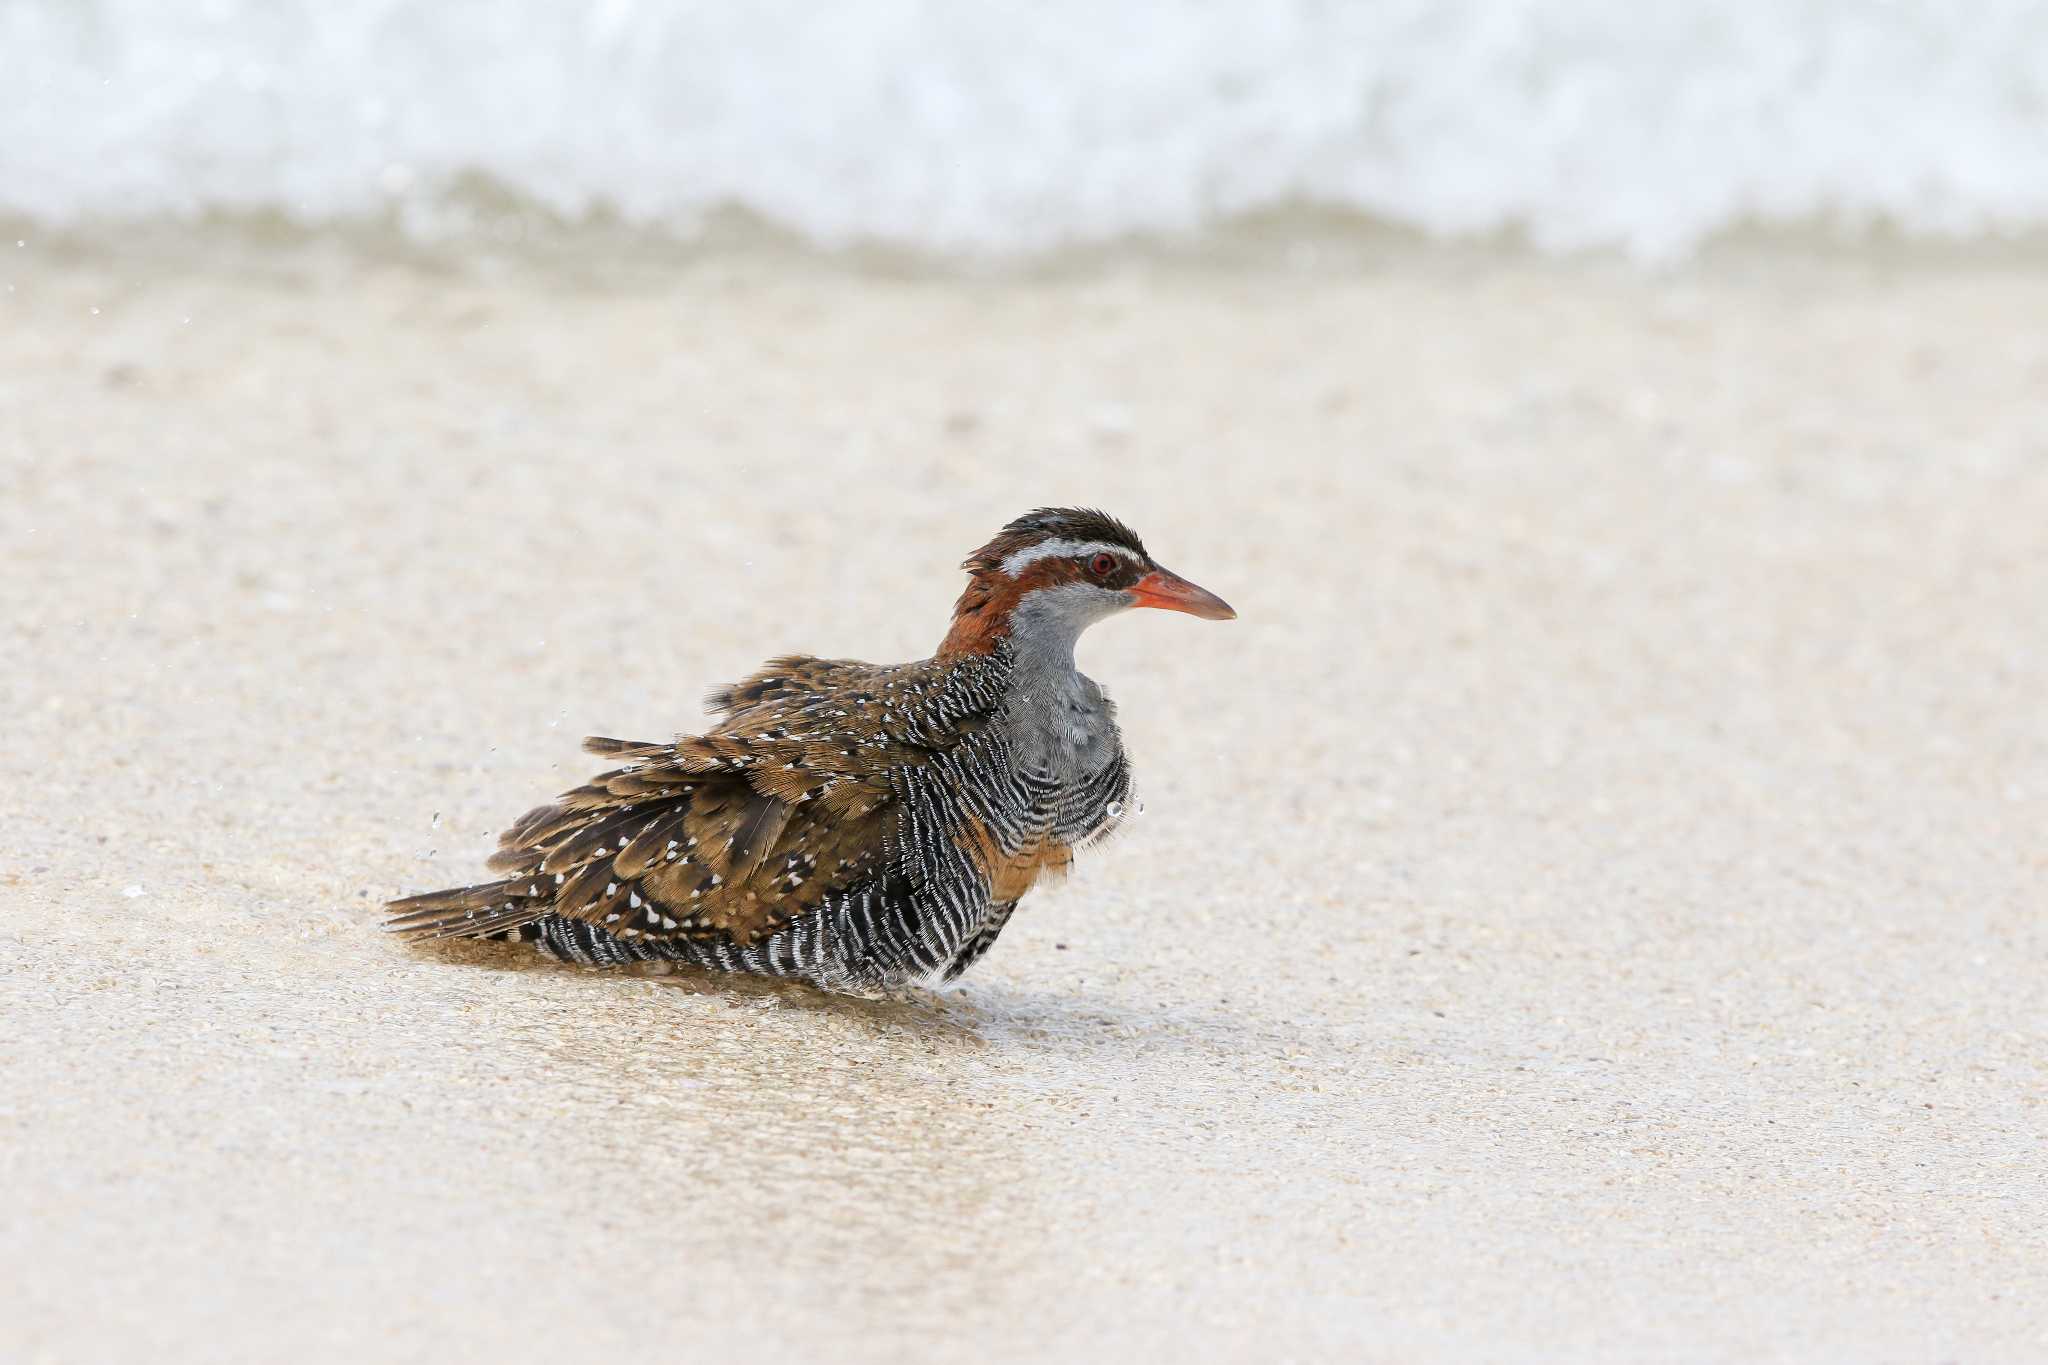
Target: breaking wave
(1006, 128)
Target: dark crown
(1058, 523)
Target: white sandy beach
(1593, 906)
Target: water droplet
(1114, 809)
(1141, 808)
(131, 892)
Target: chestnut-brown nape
(981, 618)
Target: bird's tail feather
(481, 911)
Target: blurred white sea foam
(1000, 127)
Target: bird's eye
(1101, 565)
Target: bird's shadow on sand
(977, 1015)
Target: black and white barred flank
(857, 941)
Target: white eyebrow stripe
(1049, 549)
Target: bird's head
(1059, 570)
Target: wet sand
(1593, 906)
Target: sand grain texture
(1590, 906)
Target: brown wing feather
(691, 844)
(731, 834)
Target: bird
(860, 827)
